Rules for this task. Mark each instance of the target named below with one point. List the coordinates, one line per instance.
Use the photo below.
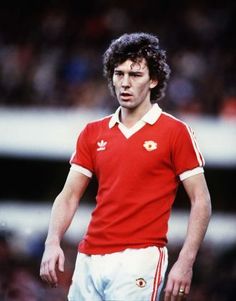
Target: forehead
(136, 66)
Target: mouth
(125, 95)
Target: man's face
(132, 83)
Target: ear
(153, 83)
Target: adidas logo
(101, 145)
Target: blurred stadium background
(51, 85)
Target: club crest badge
(140, 282)
(150, 145)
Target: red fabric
(137, 187)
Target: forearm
(62, 214)
(65, 206)
(197, 226)
(199, 217)
(180, 275)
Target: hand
(53, 257)
(178, 282)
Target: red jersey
(138, 172)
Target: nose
(125, 81)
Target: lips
(125, 95)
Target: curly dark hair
(136, 46)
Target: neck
(130, 116)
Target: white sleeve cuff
(82, 170)
(190, 173)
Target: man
(139, 156)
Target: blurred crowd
(51, 52)
(214, 273)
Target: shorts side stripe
(157, 278)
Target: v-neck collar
(150, 117)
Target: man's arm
(63, 210)
(180, 275)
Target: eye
(118, 73)
(136, 74)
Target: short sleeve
(186, 154)
(82, 155)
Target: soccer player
(139, 154)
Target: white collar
(150, 117)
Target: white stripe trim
(190, 173)
(157, 275)
(160, 273)
(196, 148)
(173, 117)
(82, 170)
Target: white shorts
(133, 275)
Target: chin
(127, 105)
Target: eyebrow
(131, 72)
